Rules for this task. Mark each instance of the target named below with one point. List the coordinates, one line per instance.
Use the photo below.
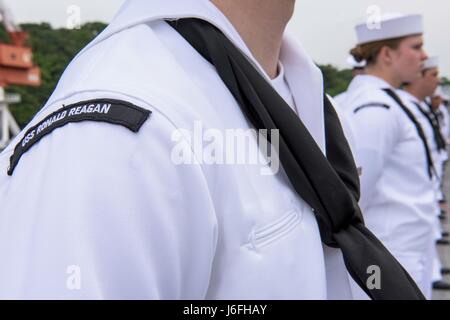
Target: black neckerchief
(436, 115)
(418, 127)
(437, 135)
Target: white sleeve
(375, 133)
(95, 211)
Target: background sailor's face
(436, 102)
(430, 81)
(408, 59)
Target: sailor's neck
(385, 74)
(261, 24)
(415, 93)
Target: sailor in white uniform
(440, 98)
(444, 119)
(443, 108)
(439, 112)
(397, 196)
(413, 96)
(435, 107)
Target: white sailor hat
(432, 62)
(355, 64)
(390, 26)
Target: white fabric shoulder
(123, 205)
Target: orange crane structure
(16, 68)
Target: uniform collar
(135, 12)
(302, 75)
(306, 83)
(369, 80)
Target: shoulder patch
(102, 110)
(369, 105)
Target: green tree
(335, 81)
(53, 49)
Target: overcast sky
(325, 27)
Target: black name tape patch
(102, 110)
(372, 105)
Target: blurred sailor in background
(414, 95)
(397, 195)
(439, 115)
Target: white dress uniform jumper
(397, 195)
(420, 110)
